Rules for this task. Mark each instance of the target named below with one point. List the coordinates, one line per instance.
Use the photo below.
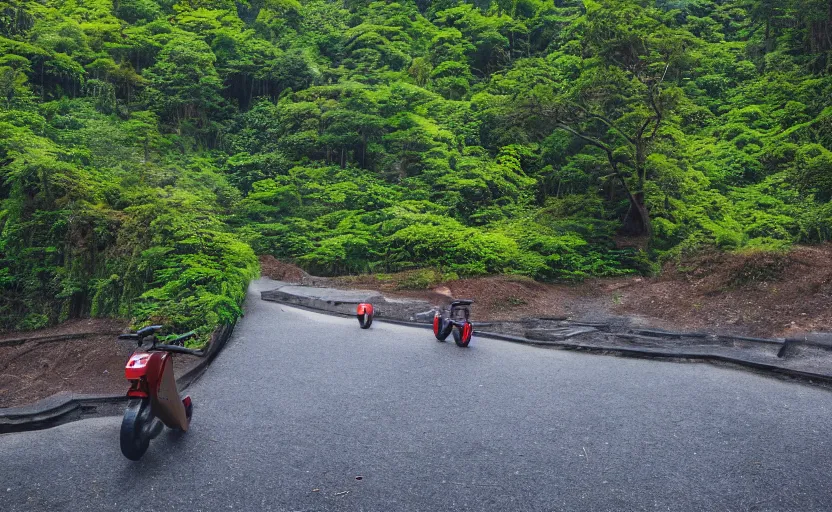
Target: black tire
(365, 320)
(135, 435)
(189, 411)
(463, 334)
(443, 330)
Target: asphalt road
(308, 412)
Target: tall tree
(185, 86)
(621, 95)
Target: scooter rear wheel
(462, 334)
(365, 315)
(189, 407)
(135, 432)
(365, 320)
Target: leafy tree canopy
(150, 148)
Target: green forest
(151, 149)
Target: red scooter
(458, 322)
(365, 313)
(153, 400)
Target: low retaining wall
(65, 407)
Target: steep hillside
(150, 148)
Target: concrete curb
(687, 353)
(65, 407)
(53, 411)
(219, 338)
(344, 301)
(649, 353)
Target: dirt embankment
(764, 294)
(79, 356)
(52, 361)
(754, 293)
(279, 271)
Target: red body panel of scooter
(365, 313)
(151, 376)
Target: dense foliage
(149, 148)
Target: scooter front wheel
(135, 428)
(441, 328)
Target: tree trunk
(820, 34)
(637, 222)
(829, 28)
(364, 150)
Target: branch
(655, 129)
(659, 116)
(610, 158)
(607, 122)
(644, 126)
(656, 109)
(606, 149)
(664, 74)
(592, 141)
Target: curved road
(299, 406)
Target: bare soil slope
(754, 293)
(280, 271)
(90, 364)
(767, 294)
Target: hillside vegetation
(150, 148)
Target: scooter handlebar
(176, 345)
(179, 339)
(177, 342)
(142, 333)
(180, 350)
